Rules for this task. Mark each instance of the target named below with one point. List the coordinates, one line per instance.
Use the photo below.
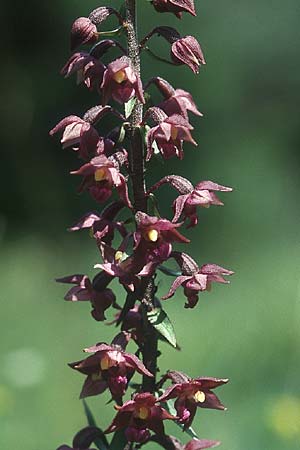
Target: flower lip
(142, 412)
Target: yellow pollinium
(105, 363)
(118, 255)
(199, 397)
(100, 174)
(152, 235)
(174, 133)
(120, 76)
(143, 413)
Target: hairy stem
(137, 175)
(136, 151)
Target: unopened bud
(83, 31)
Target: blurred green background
(249, 137)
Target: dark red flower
(133, 322)
(121, 82)
(195, 279)
(203, 196)
(186, 50)
(169, 135)
(175, 6)
(104, 225)
(78, 134)
(101, 175)
(110, 367)
(154, 230)
(83, 31)
(138, 416)
(177, 101)
(89, 69)
(192, 393)
(153, 240)
(83, 291)
(117, 263)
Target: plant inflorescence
(133, 249)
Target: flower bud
(118, 385)
(83, 31)
(187, 50)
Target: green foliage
(100, 439)
(118, 441)
(161, 322)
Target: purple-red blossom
(78, 134)
(117, 263)
(169, 135)
(100, 176)
(186, 204)
(203, 196)
(83, 31)
(155, 230)
(138, 416)
(104, 225)
(153, 240)
(193, 393)
(199, 444)
(184, 50)
(133, 322)
(84, 291)
(110, 367)
(187, 50)
(177, 101)
(89, 69)
(175, 6)
(100, 227)
(195, 279)
(121, 82)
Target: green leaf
(118, 441)
(101, 441)
(154, 204)
(129, 107)
(161, 322)
(85, 437)
(122, 134)
(89, 415)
